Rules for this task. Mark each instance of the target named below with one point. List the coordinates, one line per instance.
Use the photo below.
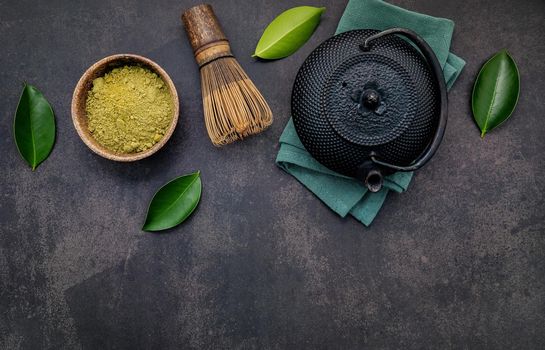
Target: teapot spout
(374, 180)
(371, 175)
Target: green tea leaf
(34, 126)
(174, 202)
(288, 32)
(496, 92)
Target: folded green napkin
(347, 195)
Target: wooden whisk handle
(205, 34)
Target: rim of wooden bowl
(101, 67)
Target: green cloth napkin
(347, 195)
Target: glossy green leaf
(34, 126)
(174, 202)
(496, 92)
(288, 32)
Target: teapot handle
(438, 73)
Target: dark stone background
(456, 262)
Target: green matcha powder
(129, 109)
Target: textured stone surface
(456, 262)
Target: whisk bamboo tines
(233, 106)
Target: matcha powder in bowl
(129, 109)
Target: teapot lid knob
(370, 99)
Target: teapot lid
(369, 99)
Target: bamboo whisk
(233, 106)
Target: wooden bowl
(79, 116)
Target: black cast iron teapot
(367, 104)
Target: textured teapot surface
(351, 103)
